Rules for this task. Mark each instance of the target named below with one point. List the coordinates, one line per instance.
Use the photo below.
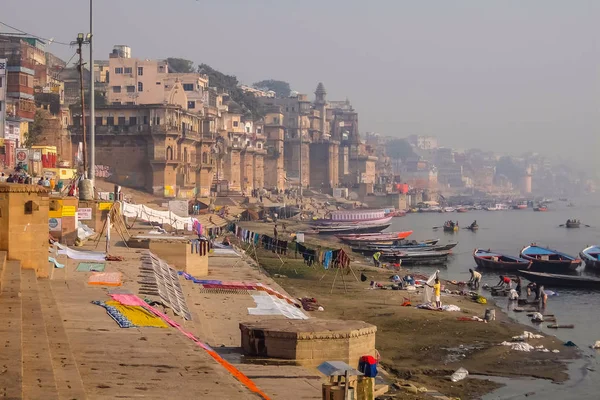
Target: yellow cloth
(437, 287)
(138, 315)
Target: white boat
(497, 207)
(449, 209)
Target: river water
(508, 232)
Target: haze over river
(508, 232)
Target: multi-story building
(160, 148)
(22, 54)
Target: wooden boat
(497, 207)
(333, 229)
(416, 258)
(372, 249)
(572, 224)
(375, 237)
(472, 227)
(557, 280)
(461, 210)
(520, 206)
(540, 208)
(488, 259)
(591, 257)
(450, 228)
(351, 217)
(548, 260)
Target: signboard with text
(84, 214)
(22, 155)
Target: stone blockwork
(24, 225)
(309, 342)
(178, 252)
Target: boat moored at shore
(548, 260)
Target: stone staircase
(35, 360)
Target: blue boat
(487, 259)
(591, 256)
(548, 260)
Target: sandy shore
(420, 346)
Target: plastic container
(459, 375)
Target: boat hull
(587, 255)
(572, 225)
(450, 228)
(333, 230)
(489, 263)
(411, 259)
(558, 280)
(566, 265)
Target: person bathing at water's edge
(475, 279)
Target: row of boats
(490, 207)
(393, 247)
(543, 265)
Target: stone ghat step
(2, 262)
(11, 355)
(66, 373)
(38, 374)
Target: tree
(281, 88)
(180, 65)
(253, 109)
(36, 128)
(399, 149)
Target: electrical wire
(35, 36)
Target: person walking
(376, 261)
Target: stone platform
(309, 342)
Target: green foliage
(281, 88)
(36, 128)
(399, 149)
(99, 98)
(253, 109)
(180, 65)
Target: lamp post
(81, 40)
(92, 171)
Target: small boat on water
(557, 280)
(591, 257)
(356, 228)
(540, 208)
(488, 259)
(521, 206)
(497, 207)
(472, 227)
(449, 209)
(461, 210)
(572, 223)
(548, 260)
(570, 205)
(450, 226)
(372, 249)
(416, 258)
(375, 237)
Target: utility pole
(83, 126)
(92, 170)
(300, 137)
(81, 40)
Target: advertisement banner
(84, 214)
(55, 224)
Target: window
(145, 120)
(158, 83)
(98, 121)
(140, 71)
(258, 130)
(116, 89)
(130, 89)
(119, 70)
(287, 109)
(191, 105)
(128, 70)
(235, 124)
(132, 121)
(140, 87)
(188, 87)
(121, 121)
(259, 145)
(110, 121)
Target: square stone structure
(24, 225)
(309, 342)
(179, 252)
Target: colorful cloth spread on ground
(133, 300)
(87, 267)
(138, 315)
(105, 279)
(119, 318)
(158, 279)
(272, 305)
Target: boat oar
(586, 225)
(437, 227)
(561, 225)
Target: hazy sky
(500, 75)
